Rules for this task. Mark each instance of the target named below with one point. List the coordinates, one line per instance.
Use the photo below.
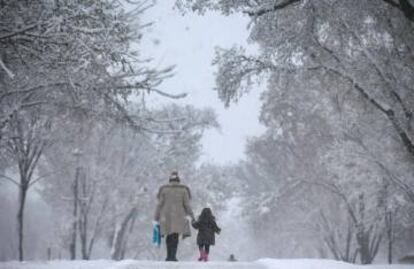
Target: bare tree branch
(387, 111)
(11, 180)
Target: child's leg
(201, 249)
(206, 251)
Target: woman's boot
(172, 246)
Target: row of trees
(69, 74)
(100, 185)
(337, 155)
(106, 196)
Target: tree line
(74, 120)
(332, 174)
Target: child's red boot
(201, 258)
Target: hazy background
(189, 42)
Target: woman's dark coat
(206, 230)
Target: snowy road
(129, 264)
(133, 264)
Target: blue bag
(156, 235)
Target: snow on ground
(322, 264)
(134, 264)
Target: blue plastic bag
(156, 235)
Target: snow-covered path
(133, 264)
(129, 264)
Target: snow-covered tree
(339, 102)
(63, 59)
(117, 174)
(29, 138)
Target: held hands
(191, 218)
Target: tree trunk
(72, 247)
(368, 242)
(119, 237)
(20, 218)
(364, 249)
(94, 232)
(390, 236)
(86, 198)
(390, 248)
(83, 233)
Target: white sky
(189, 42)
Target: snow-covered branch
(275, 7)
(405, 6)
(7, 70)
(12, 180)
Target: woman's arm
(195, 224)
(187, 205)
(160, 204)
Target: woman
(172, 208)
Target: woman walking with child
(207, 228)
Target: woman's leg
(172, 246)
(168, 245)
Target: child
(207, 227)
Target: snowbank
(133, 264)
(322, 264)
